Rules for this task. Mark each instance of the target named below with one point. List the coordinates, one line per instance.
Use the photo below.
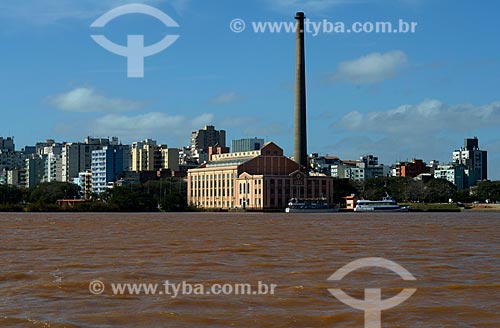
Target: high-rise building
(143, 155)
(107, 166)
(323, 164)
(84, 180)
(366, 167)
(3, 177)
(204, 138)
(411, 169)
(35, 169)
(77, 157)
(147, 155)
(250, 144)
(473, 158)
(455, 173)
(168, 159)
(7, 144)
(49, 146)
(127, 156)
(51, 153)
(52, 167)
(10, 160)
(16, 177)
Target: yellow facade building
(256, 180)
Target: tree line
(167, 195)
(171, 195)
(406, 190)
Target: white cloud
(85, 100)
(429, 130)
(202, 120)
(225, 98)
(155, 125)
(372, 68)
(431, 117)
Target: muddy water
(48, 261)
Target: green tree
(49, 193)
(170, 194)
(11, 195)
(415, 190)
(174, 202)
(374, 188)
(129, 198)
(488, 190)
(342, 188)
(401, 188)
(465, 196)
(440, 191)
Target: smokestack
(300, 134)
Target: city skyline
(425, 97)
(8, 144)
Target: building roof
(229, 162)
(350, 162)
(269, 160)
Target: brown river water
(49, 260)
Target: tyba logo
(373, 305)
(135, 51)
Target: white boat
(387, 204)
(309, 206)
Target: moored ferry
(319, 205)
(387, 204)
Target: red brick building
(411, 169)
(259, 180)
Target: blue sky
(398, 96)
